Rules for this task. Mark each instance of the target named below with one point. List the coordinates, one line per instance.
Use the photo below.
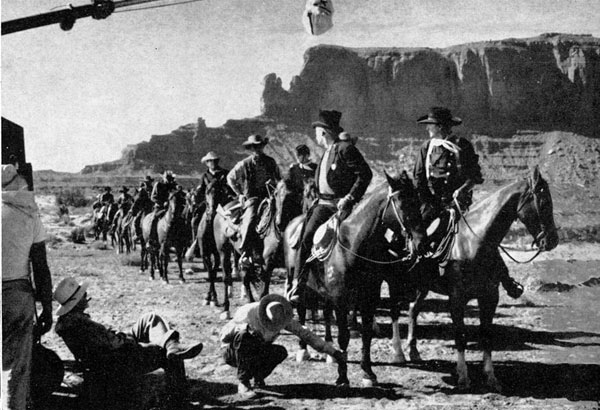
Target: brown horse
(475, 261)
(227, 247)
(173, 232)
(371, 244)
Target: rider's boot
(296, 293)
(513, 288)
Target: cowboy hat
(168, 175)
(124, 189)
(439, 115)
(274, 312)
(302, 149)
(329, 120)
(255, 139)
(68, 293)
(107, 188)
(211, 156)
(11, 180)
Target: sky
(84, 95)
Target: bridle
(523, 200)
(405, 232)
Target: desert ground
(547, 348)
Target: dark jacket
(161, 191)
(347, 171)
(448, 171)
(218, 180)
(298, 175)
(250, 175)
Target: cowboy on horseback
(103, 199)
(301, 171)
(342, 178)
(446, 170)
(160, 197)
(215, 178)
(249, 179)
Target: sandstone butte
(520, 100)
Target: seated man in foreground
(149, 345)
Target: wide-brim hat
(68, 293)
(147, 182)
(168, 175)
(107, 188)
(302, 149)
(124, 189)
(329, 120)
(439, 115)
(274, 312)
(255, 139)
(211, 156)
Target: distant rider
(160, 197)
(300, 173)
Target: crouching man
(149, 345)
(248, 342)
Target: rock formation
(546, 83)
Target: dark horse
(361, 259)
(227, 247)
(173, 231)
(474, 263)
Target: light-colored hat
(211, 156)
(274, 312)
(10, 176)
(255, 139)
(68, 293)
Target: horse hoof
(463, 385)
(225, 315)
(205, 302)
(414, 356)
(189, 271)
(213, 304)
(494, 385)
(366, 382)
(342, 382)
(151, 278)
(302, 355)
(330, 360)
(399, 359)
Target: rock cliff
(547, 83)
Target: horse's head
(535, 211)
(177, 202)
(284, 201)
(402, 214)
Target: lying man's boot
(175, 350)
(296, 293)
(245, 390)
(259, 383)
(513, 288)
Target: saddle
(232, 215)
(296, 236)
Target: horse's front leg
(413, 315)
(163, 263)
(225, 257)
(302, 354)
(341, 314)
(180, 253)
(367, 309)
(399, 357)
(457, 313)
(487, 309)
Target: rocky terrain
(550, 83)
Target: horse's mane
(361, 220)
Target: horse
(173, 232)
(103, 218)
(142, 206)
(121, 226)
(474, 262)
(227, 246)
(370, 245)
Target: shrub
(72, 197)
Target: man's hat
(302, 149)
(255, 139)
(274, 312)
(169, 175)
(11, 180)
(107, 188)
(147, 182)
(329, 120)
(68, 293)
(439, 115)
(124, 189)
(211, 156)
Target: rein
(502, 248)
(402, 225)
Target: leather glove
(44, 323)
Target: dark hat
(147, 182)
(439, 115)
(169, 175)
(124, 189)
(107, 189)
(255, 139)
(329, 120)
(302, 149)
